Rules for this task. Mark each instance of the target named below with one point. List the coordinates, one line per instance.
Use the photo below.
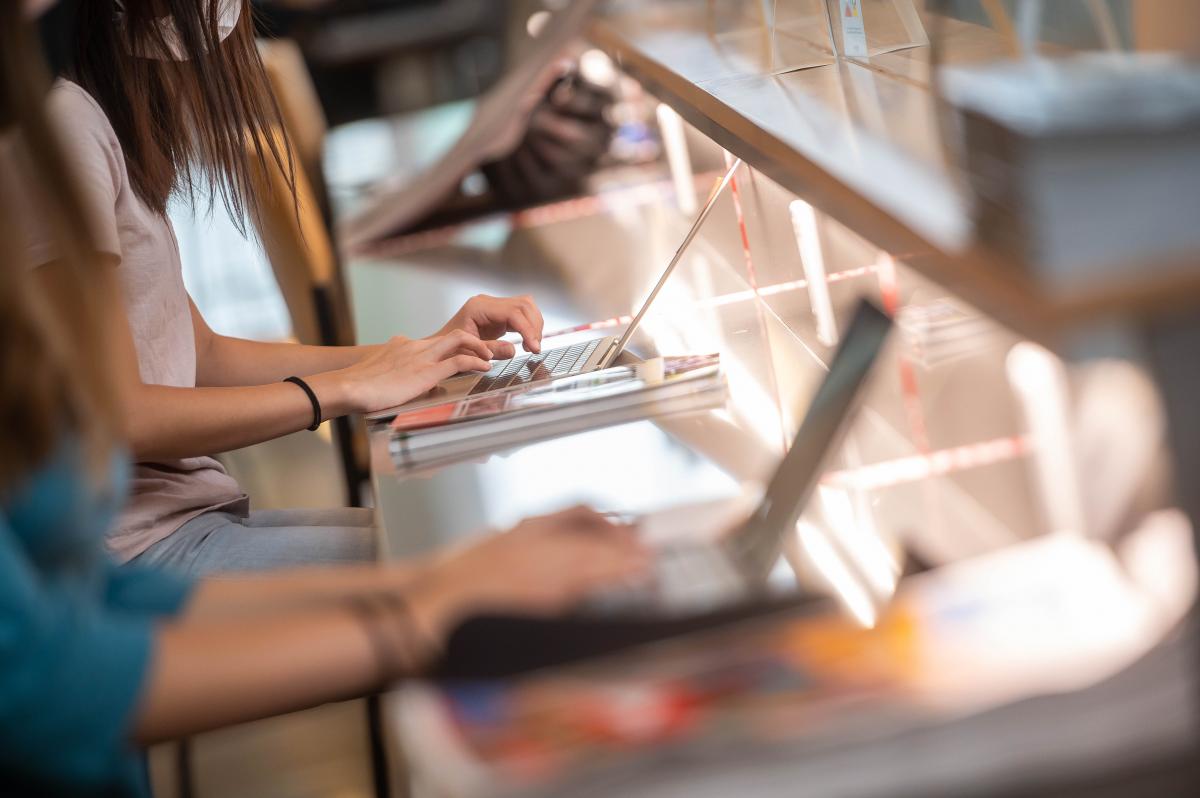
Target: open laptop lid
(396, 204)
(496, 646)
(757, 546)
(618, 346)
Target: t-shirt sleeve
(90, 150)
(71, 674)
(140, 589)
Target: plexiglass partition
(1038, 485)
(964, 442)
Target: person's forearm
(209, 674)
(232, 594)
(166, 422)
(231, 362)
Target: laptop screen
(759, 544)
(713, 195)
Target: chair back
(299, 105)
(295, 235)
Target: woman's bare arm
(208, 673)
(165, 422)
(224, 361)
(168, 422)
(237, 594)
(205, 676)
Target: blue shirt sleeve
(143, 590)
(71, 673)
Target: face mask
(228, 14)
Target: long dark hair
(207, 122)
(56, 368)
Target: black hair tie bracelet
(312, 397)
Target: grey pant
(265, 539)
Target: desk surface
(937, 460)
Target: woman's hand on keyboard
(489, 317)
(401, 370)
(542, 566)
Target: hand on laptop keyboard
(686, 578)
(544, 565)
(535, 368)
(402, 369)
(490, 317)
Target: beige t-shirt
(164, 494)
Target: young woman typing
(165, 96)
(98, 660)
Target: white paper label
(854, 33)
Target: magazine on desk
(463, 427)
(704, 697)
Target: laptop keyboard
(683, 578)
(697, 574)
(564, 360)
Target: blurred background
(1002, 541)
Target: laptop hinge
(609, 356)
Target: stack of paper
(1085, 170)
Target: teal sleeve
(144, 590)
(71, 673)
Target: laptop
(693, 586)
(566, 361)
(395, 203)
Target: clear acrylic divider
(865, 28)
(769, 37)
